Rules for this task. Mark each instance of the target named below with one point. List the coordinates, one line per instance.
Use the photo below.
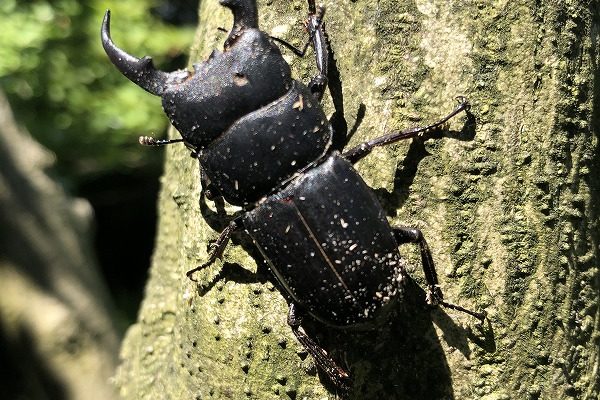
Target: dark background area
(66, 93)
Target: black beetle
(264, 143)
(240, 99)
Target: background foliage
(57, 77)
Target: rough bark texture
(58, 339)
(508, 203)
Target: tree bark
(507, 200)
(58, 336)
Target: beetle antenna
(150, 141)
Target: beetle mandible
(264, 143)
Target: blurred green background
(65, 92)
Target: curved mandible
(245, 13)
(245, 16)
(140, 71)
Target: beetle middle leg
(434, 292)
(337, 375)
(358, 152)
(217, 248)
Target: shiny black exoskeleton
(264, 143)
(252, 126)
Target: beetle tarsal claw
(463, 103)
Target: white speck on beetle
(299, 104)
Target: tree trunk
(58, 337)
(508, 202)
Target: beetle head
(202, 104)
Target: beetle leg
(337, 375)
(434, 292)
(320, 43)
(412, 235)
(217, 248)
(364, 149)
(210, 191)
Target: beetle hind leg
(434, 292)
(338, 376)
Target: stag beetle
(264, 143)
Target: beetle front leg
(434, 292)
(217, 248)
(320, 43)
(337, 375)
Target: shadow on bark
(400, 359)
(407, 169)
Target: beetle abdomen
(266, 147)
(328, 242)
